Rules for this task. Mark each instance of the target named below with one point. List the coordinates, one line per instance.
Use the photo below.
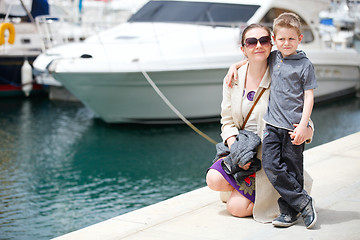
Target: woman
(253, 77)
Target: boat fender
(10, 27)
(26, 77)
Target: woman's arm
(228, 127)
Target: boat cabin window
(215, 14)
(275, 12)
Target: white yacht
(29, 27)
(185, 47)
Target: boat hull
(197, 94)
(335, 82)
(129, 98)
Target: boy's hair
(287, 20)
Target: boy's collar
(299, 53)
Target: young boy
(291, 101)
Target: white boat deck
(200, 215)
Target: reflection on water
(61, 170)
(38, 141)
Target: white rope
(157, 90)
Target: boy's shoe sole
(282, 224)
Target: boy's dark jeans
(283, 164)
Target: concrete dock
(200, 215)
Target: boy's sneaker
(284, 220)
(309, 214)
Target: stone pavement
(200, 215)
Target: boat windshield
(215, 14)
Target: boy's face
(287, 40)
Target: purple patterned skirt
(246, 188)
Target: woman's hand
(300, 134)
(230, 141)
(246, 166)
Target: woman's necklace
(250, 95)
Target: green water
(61, 169)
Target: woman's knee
(216, 181)
(240, 206)
(240, 211)
(212, 179)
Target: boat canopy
(215, 14)
(39, 8)
(15, 9)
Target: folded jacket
(243, 151)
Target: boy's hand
(232, 74)
(300, 134)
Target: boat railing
(61, 30)
(340, 25)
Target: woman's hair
(252, 26)
(287, 20)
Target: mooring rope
(163, 97)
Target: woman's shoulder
(244, 67)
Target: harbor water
(61, 169)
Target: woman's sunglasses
(265, 41)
